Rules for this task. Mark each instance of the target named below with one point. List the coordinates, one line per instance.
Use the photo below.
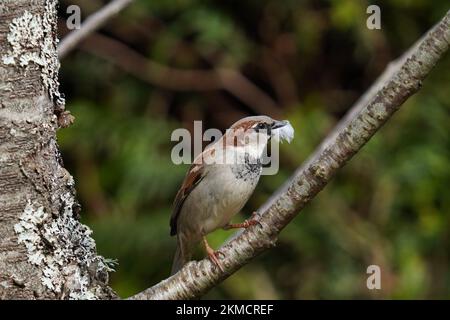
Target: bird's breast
(220, 195)
(247, 170)
(234, 187)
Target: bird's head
(254, 132)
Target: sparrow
(218, 184)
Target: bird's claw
(247, 223)
(214, 258)
(213, 255)
(254, 220)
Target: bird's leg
(213, 255)
(247, 223)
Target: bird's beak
(279, 124)
(283, 130)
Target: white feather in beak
(285, 132)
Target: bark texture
(401, 80)
(45, 252)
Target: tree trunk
(45, 252)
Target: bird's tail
(183, 254)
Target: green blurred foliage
(389, 206)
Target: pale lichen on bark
(62, 248)
(45, 252)
(31, 37)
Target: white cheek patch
(286, 132)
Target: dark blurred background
(160, 65)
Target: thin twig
(92, 23)
(364, 120)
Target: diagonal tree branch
(360, 104)
(401, 80)
(92, 23)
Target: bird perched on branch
(219, 183)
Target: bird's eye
(261, 126)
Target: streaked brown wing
(193, 177)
